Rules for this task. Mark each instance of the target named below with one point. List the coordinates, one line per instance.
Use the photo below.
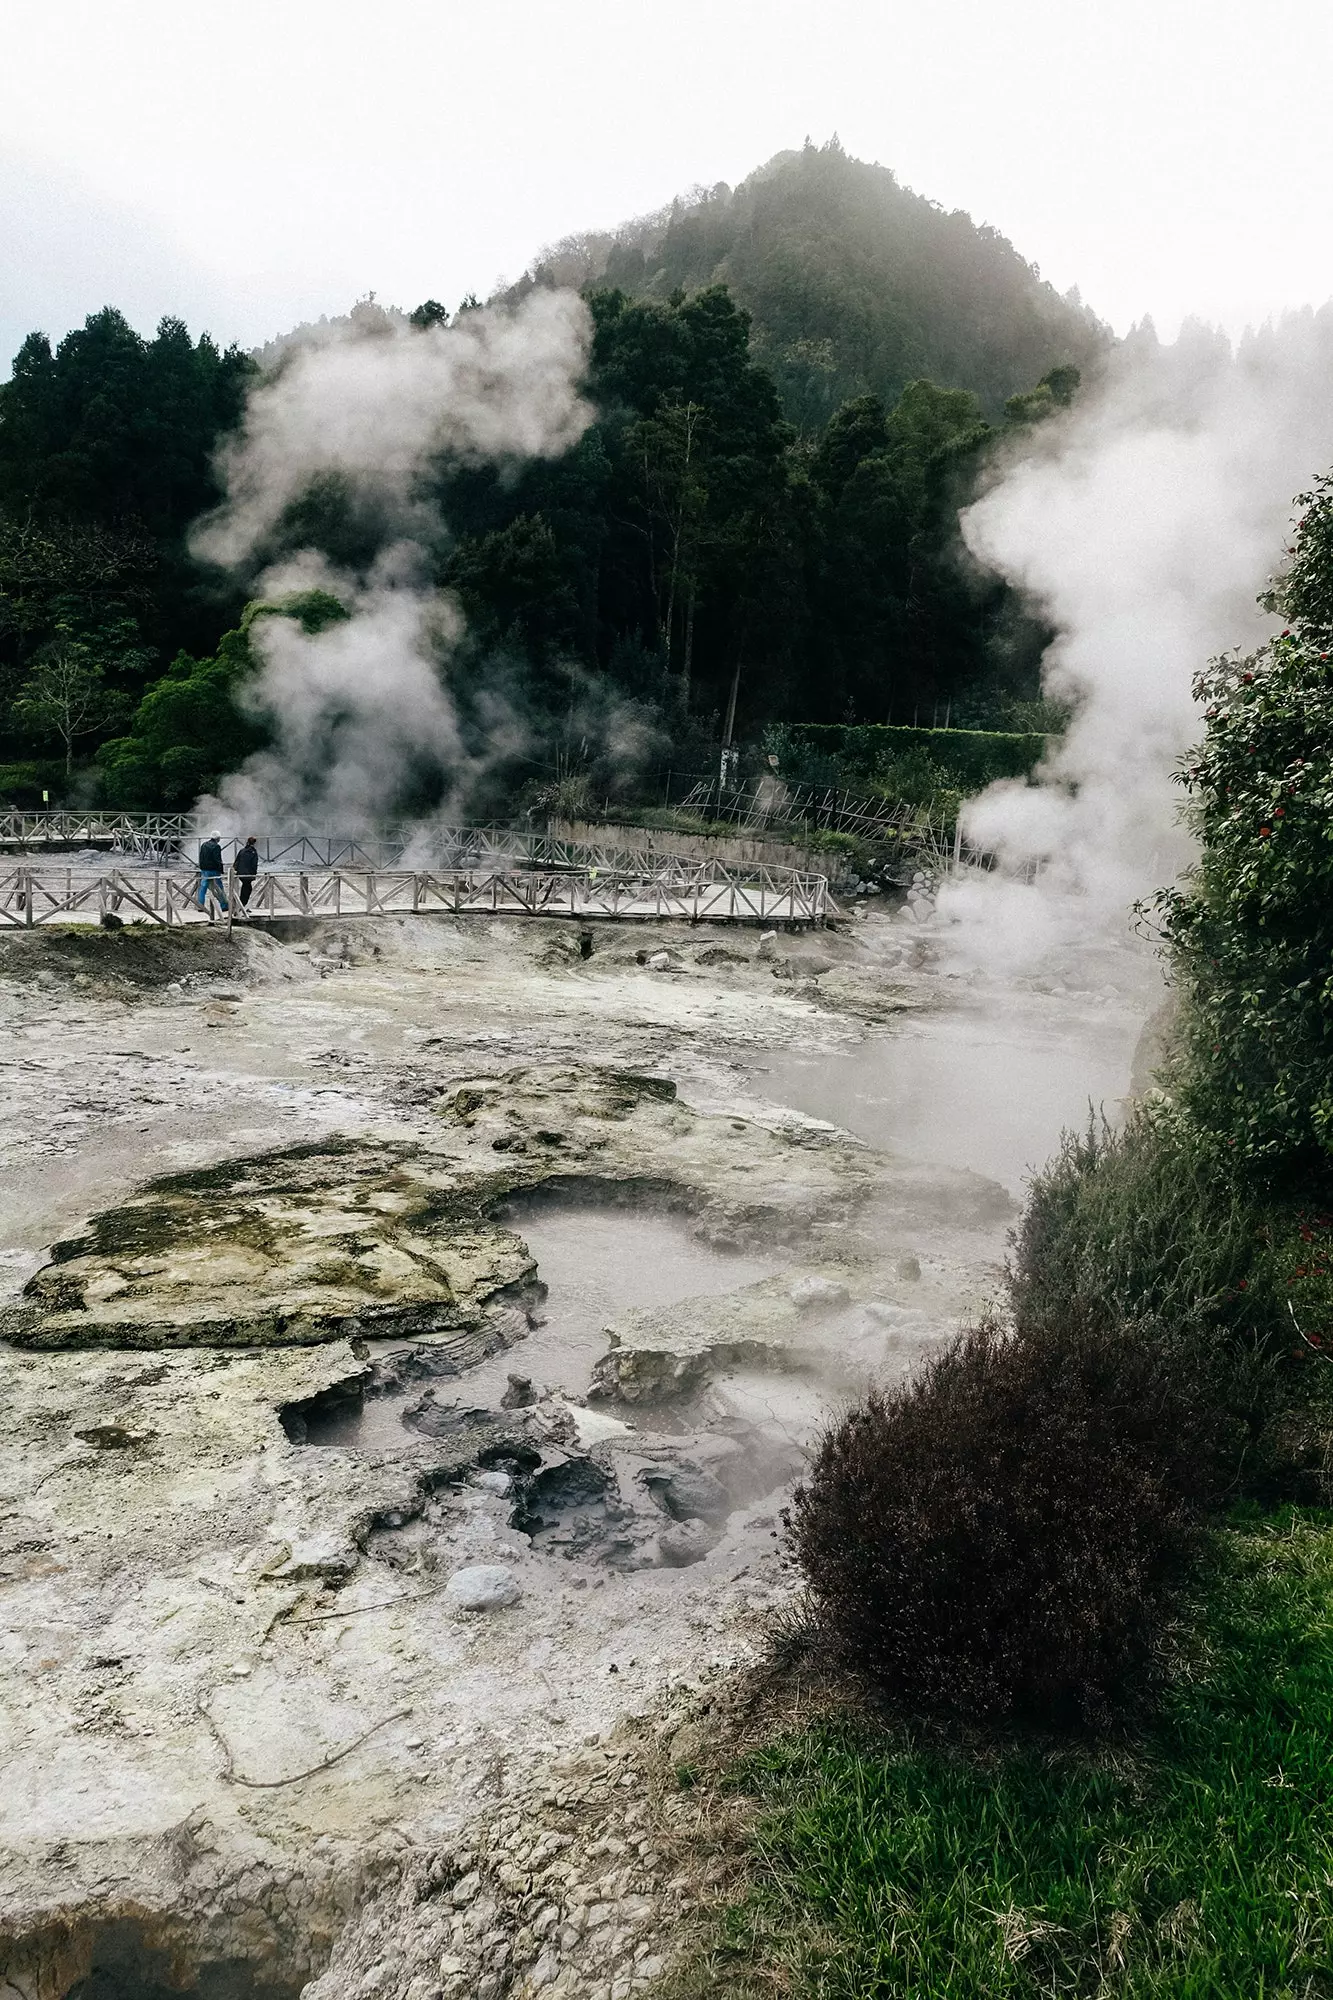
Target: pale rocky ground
(249, 1745)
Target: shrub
(1150, 1225)
(1251, 931)
(1005, 1534)
(22, 785)
(970, 759)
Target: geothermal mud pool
(340, 1264)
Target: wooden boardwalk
(651, 888)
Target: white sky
(256, 162)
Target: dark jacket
(210, 858)
(247, 861)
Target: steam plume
(359, 710)
(1143, 525)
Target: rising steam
(1142, 525)
(358, 711)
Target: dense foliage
(867, 754)
(1251, 932)
(1161, 1231)
(193, 724)
(105, 459)
(697, 555)
(1004, 1533)
(856, 285)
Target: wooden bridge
(653, 887)
(171, 841)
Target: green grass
(1195, 1862)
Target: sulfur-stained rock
(293, 1248)
(658, 1355)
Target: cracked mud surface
(289, 1181)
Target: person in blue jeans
(210, 874)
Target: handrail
(706, 892)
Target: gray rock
(882, 1314)
(810, 1294)
(686, 1542)
(484, 1587)
(492, 1482)
(693, 1496)
(909, 1267)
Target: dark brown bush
(1005, 1533)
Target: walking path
(650, 887)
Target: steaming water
(988, 1086)
(597, 1261)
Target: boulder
(882, 1314)
(818, 1294)
(686, 1542)
(692, 1496)
(483, 1587)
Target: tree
(66, 693)
(191, 726)
(107, 448)
(671, 449)
(1251, 930)
(115, 429)
(855, 285)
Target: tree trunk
(731, 705)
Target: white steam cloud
(373, 406)
(357, 710)
(1142, 525)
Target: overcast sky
(253, 163)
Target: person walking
(247, 867)
(210, 874)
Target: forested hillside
(855, 285)
(106, 451)
(698, 559)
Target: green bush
(1149, 1226)
(1251, 932)
(1153, 1225)
(969, 759)
(189, 729)
(22, 785)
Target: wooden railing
(701, 892)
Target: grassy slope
(1196, 1862)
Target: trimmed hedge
(974, 757)
(22, 785)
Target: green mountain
(855, 285)
(795, 386)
